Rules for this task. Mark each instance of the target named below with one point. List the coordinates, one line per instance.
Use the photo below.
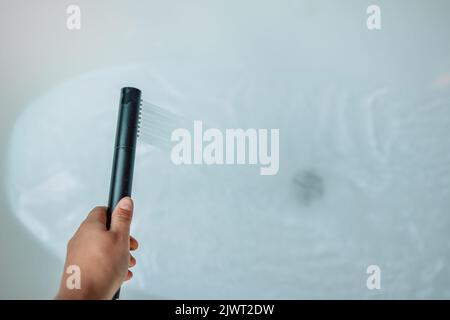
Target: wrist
(88, 290)
(71, 294)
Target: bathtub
(363, 178)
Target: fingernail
(126, 204)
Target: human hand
(103, 256)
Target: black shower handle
(124, 151)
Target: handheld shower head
(155, 129)
(124, 150)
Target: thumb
(121, 216)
